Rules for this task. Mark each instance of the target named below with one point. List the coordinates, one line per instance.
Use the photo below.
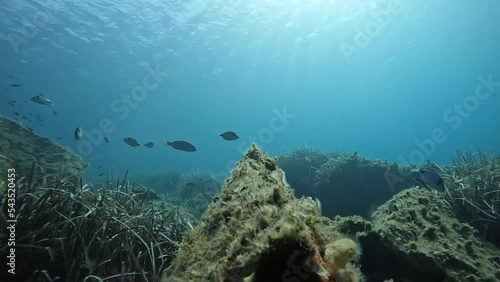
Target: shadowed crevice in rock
(286, 262)
(380, 262)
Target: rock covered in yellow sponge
(339, 253)
(346, 275)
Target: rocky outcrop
(256, 230)
(22, 149)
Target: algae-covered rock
(20, 148)
(415, 236)
(423, 227)
(256, 230)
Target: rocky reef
(25, 151)
(256, 230)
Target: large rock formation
(256, 230)
(415, 236)
(20, 148)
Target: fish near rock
(431, 180)
(229, 136)
(78, 133)
(181, 146)
(393, 208)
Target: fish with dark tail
(181, 145)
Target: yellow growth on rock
(339, 253)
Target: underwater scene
(250, 141)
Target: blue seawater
(404, 81)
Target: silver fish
(78, 133)
(41, 100)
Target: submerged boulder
(415, 236)
(25, 151)
(256, 230)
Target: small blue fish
(393, 208)
(431, 180)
